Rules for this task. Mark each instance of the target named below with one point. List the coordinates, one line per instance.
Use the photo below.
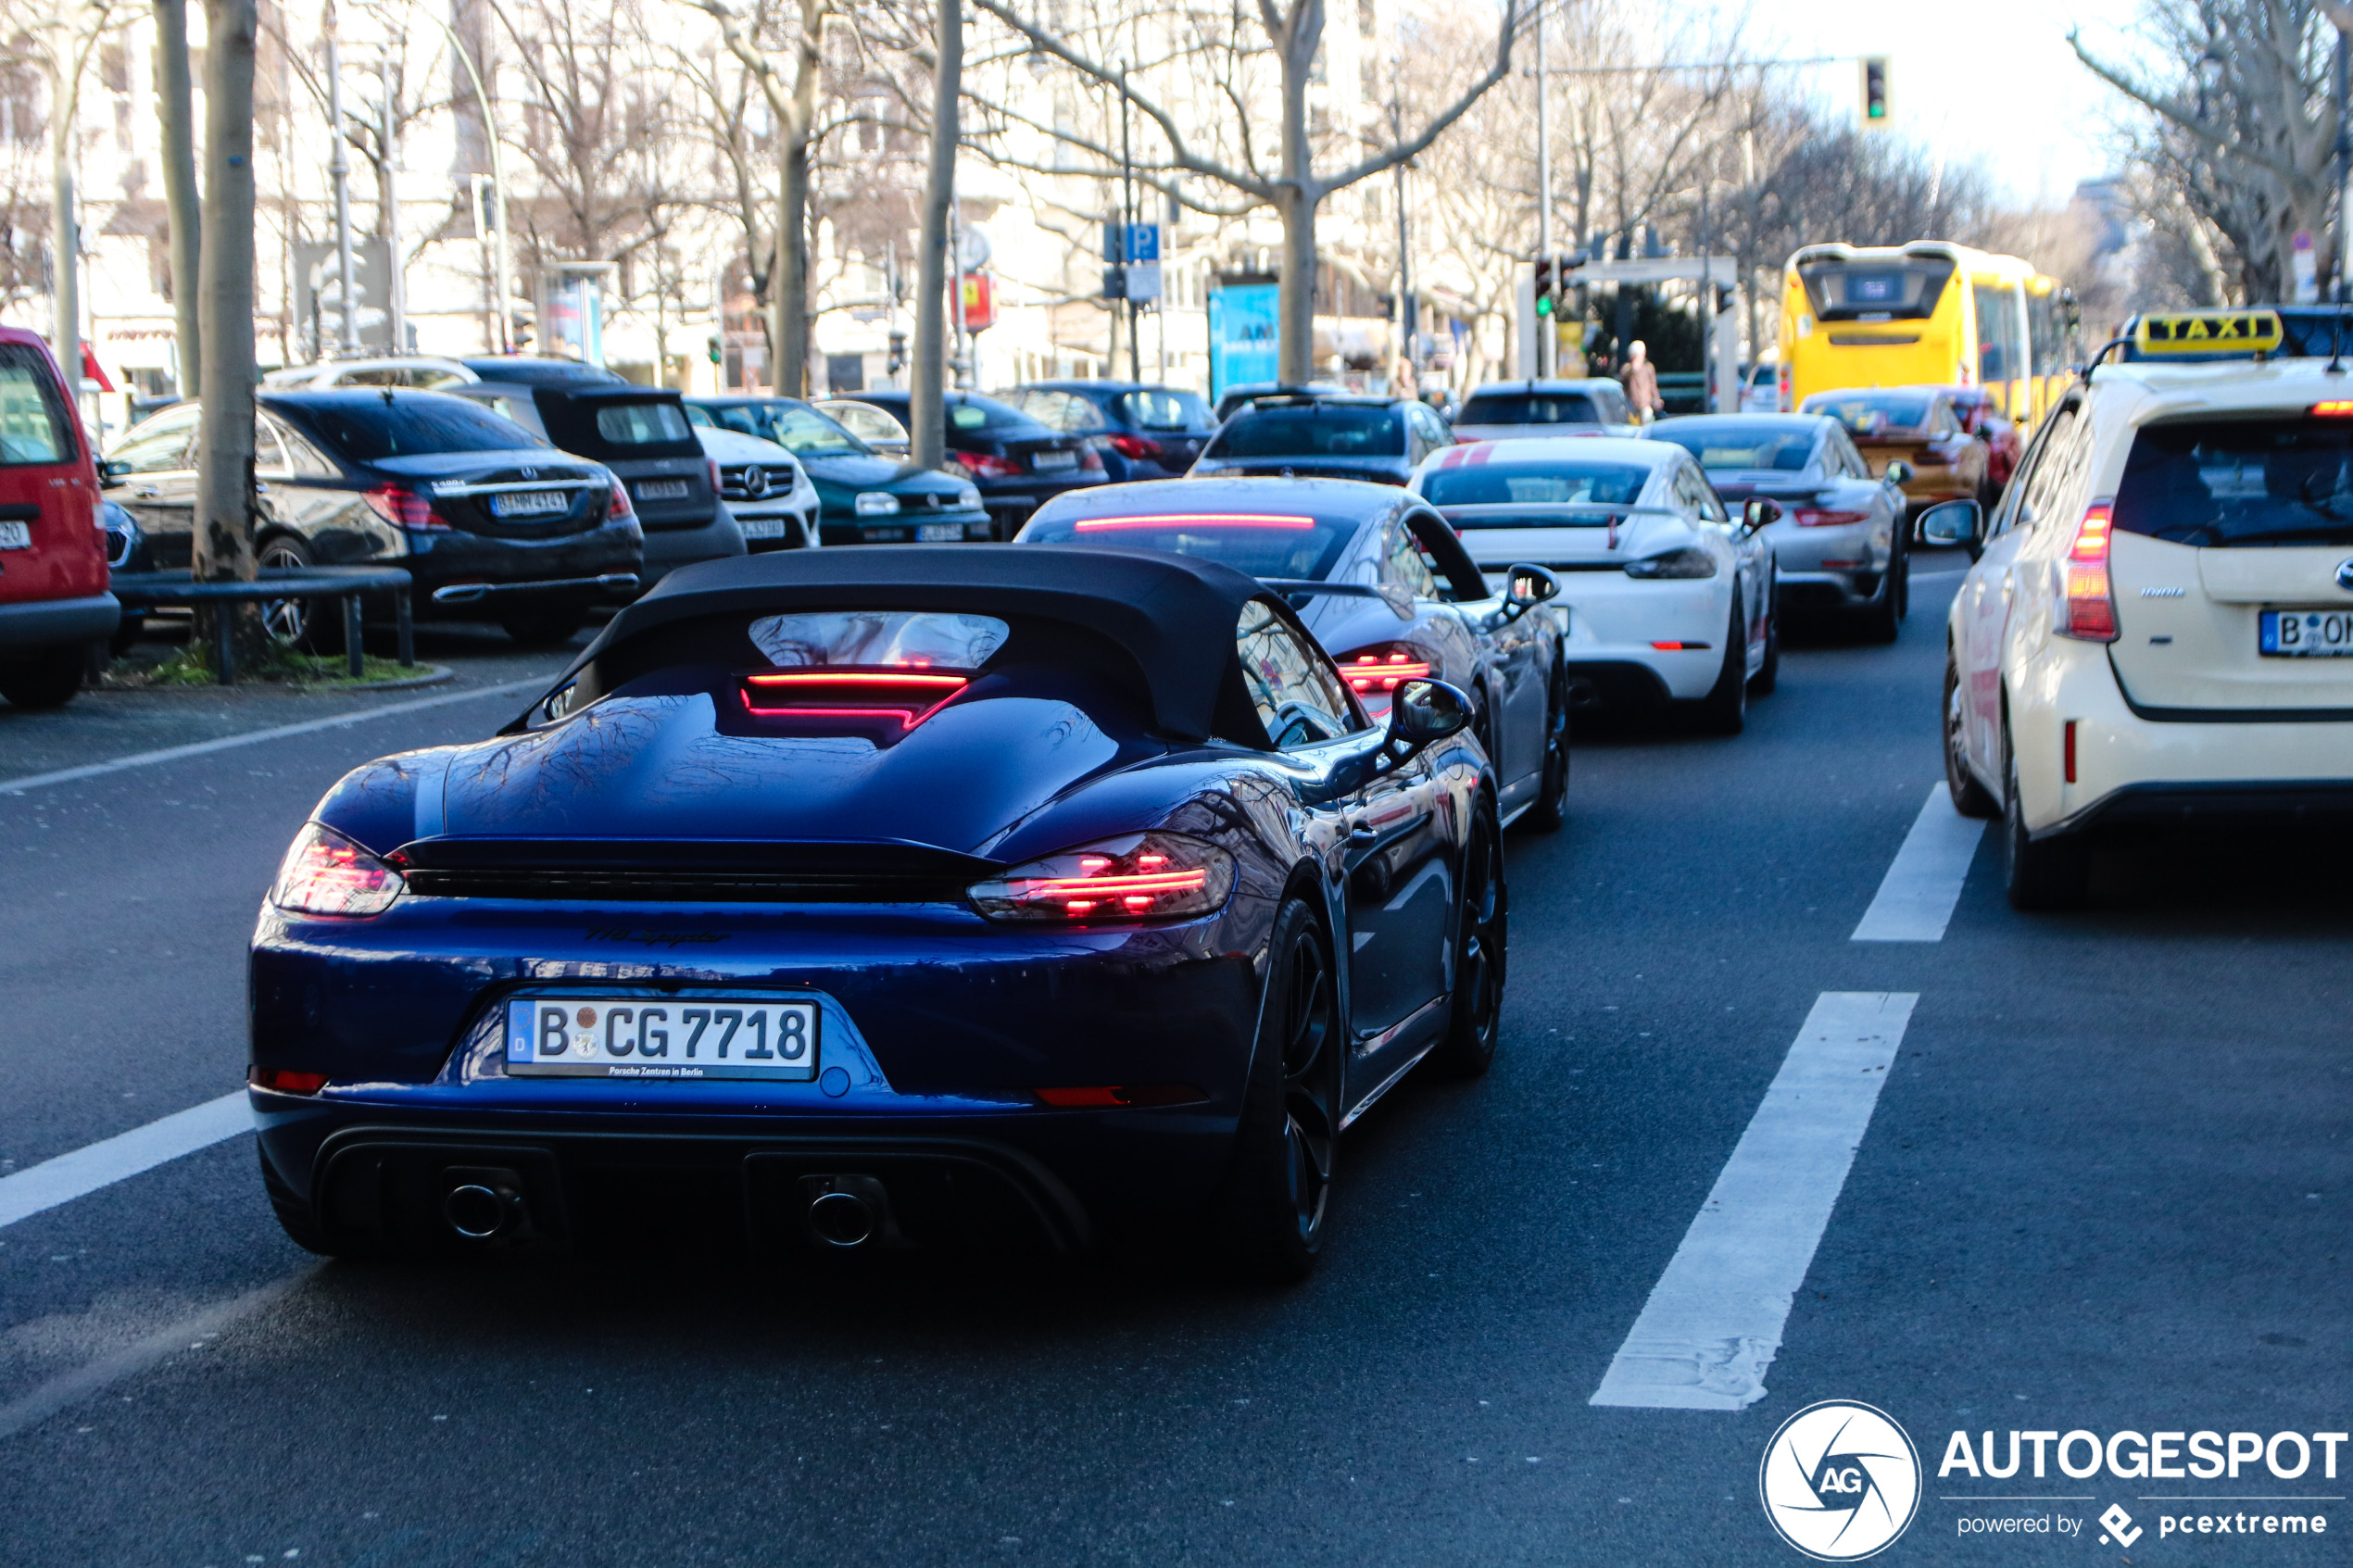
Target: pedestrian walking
(1641, 381)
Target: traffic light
(1549, 276)
(712, 349)
(1877, 110)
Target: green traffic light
(1545, 305)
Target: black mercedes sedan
(490, 521)
(1140, 431)
(1314, 435)
(1386, 589)
(1017, 462)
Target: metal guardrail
(141, 590)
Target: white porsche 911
(1669, 597)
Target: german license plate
(529, 503)
(2307, 633)
(661, 490)
(764, 527)
(1042, 461)
(939, 533)
(664, 1037)
(15, 536)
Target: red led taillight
(325, 874)
(620, 508)
(1146, 876)
(1375, 674)
(2087, 607)
(905, 698)
(1139, 448)
(1194, 519)
(404, 508)
(987, 465)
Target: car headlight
(876, 503)
(968, 495)
(1143, 876)
(1689, 561)
(325, 874)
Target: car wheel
(2038, 874)
(313, 626)
(1480, 941)
(1970, 798)
(126, 634)
(1550, 810)
(1769, 674)
(47, 679)
(1724, 710)
(543, 628)
(1267, 1216)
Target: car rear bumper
(1616, 621)
(51, 623)
(901, 528)
(440, 561)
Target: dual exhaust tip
(841, 1213)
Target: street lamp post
(339, 170)
(502, 337)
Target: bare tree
(226, 505)
(64, 37)
(926, 408)
(172, 87)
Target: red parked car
(54, 610)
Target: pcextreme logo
(1839, 1481)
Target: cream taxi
(2161, 620)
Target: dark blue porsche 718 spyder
(897, 896)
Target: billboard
(1243, 336)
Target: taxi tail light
(285, 1082)
(2087, 607)
(1823, 517)
(404, 508)
(1145, 876)
(1374, 673)
(325, 874)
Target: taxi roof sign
(2208, 333)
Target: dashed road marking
(1915, 899)
(1713, 1323)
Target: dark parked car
(1291, 435)
(1141, 432)
(540, 369)
(863, 498)
(643, 436)
(1839, 543)
(1386, 589)
(489, 521)
(1017, 462)
(1243, 393)
(897, 896)
(55, 612)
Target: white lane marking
(85, 1169)
(1714, 1321)
(80, 1383)
(1915, 899)
(254, 737)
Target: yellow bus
(1928, 313)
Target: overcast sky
(1995, 76)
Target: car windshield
(1533, 484)
(366, 429)
(794, 426)
(1731, 447)
(1313, 430)
(1529, 408)
(2244, 482)
(1867, 413)
(1261, 543)
(1165, 408)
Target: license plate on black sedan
(529, 503)
(662, 1038)
(661, 490)
(2307, 633)
(1043, 461)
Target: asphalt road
(2102, 1186)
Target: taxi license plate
(1044, 460)
(15, 536)
(662, 1038)
(2307, 633)
(529, 503)
(662, 490)
(939, 532)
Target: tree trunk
(65, 239)
(225, 501)
(926, 408)
(791, 291)
(1297, 298)
(179, 186)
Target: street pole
(961, 367)
(502, 337)
(65, 227)
(339, 169)
(396, 285)
(1408, 318)
(1126, 232)
(1547, 343)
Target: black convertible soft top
(1175, 615)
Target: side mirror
(112, 474)
(1757, 513)
(1898, 472)
(1423, 712)
(1526, 587)
(1948, 523)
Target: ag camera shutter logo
(1839, 1481)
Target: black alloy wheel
(313, 626)
(1482, 939)
(1970, 798)
(1549, 812)
(1268, 1213)
(1724, 710)
(2053, 873)
(47, 679)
